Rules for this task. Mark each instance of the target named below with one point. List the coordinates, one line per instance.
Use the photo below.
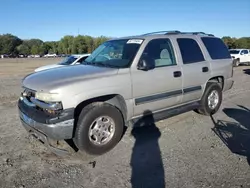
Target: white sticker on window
(134, 41)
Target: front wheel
(211, 100)
(99, 128)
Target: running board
(148, 116)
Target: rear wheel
(99, 128)
(236, 62)
(211, 100)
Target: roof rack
(176, 32)
(197, 33)
(162, 32)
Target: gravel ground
(188, 150)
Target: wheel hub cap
(213, 99)
(101, 130)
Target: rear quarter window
(216, 48)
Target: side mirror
(146, 64)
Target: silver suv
(123, 80)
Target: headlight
(47, 97)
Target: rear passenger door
(195, 69)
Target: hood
(52, 79)
(47, 67)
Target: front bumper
(58, 127)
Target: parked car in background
(70, 60)
(4, 56)
(50, 55)
(37, 56)
(240, 56)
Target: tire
(88, 115)
(204, 104)
(236, 63)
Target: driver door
(161, 87)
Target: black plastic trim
(156, 97)
(191, 89)
(161, 96)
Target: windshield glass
(116, 53)
(68, 60)
(234, 51)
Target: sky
(50, 20)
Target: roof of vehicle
(239, 49)
(159, 34)
(79, 55)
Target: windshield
(68, 60)
(234, 51)
(116, 53)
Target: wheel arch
(114, 99)
(217, 79)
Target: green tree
(99, 40)
(230, 42)
(9, 44)
(23, 49)
(35, 50)
(243, 42)
(67, 44)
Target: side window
(244, 51)
(161, 52)
(216, 48)
(190, 50)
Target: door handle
(177, 74)
(205, 69)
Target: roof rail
(197, 33)
(176, 32)
(161, 32)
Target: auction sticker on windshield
(135, 41)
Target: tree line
(232, 43)
(12, 45)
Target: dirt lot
(188, 150)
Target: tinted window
(190, 50)
(216, 48)
(161, 52)
(234, 51)
(244, 51)
(68, 60)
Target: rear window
(216, 48)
